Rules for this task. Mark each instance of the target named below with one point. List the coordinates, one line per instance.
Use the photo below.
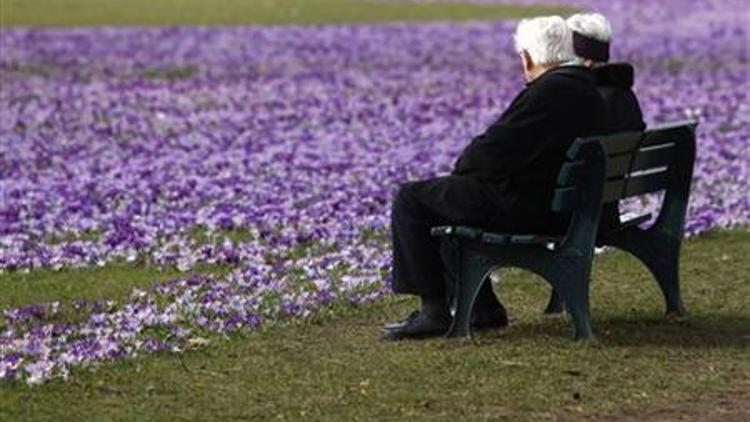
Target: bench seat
(550, 242)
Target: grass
(114, 281)
(240, 12)
(335, 367)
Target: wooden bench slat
(627, 142)
(474, 233)
(496, 238)
(635, 221)
(646, 184)
(460, 231)
(614, 190)
(622, 143)
(535, 240)
(645, 159)
(663, 137)
(671, 132)
(618, 143)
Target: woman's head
(591, 34)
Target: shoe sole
(390, 335)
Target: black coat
(623, 113)
(615, 83)
(518, 157)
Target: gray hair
(592, 25)
(547, 40)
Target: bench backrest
(636, 163)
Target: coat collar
(614, 74)
(572, 71)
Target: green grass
(238, 12)
(114, 281)
(335, 367)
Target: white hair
(547, 40)
(592, 25)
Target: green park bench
(597, 170)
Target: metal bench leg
(555, 305)
(471, 274)
(660, 253)
(662, 258)
(571, 279)
(577, 302)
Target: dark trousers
(422, 265)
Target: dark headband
(590, 48)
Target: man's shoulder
(566, 76)
(566, 85)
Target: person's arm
(511, 143)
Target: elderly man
(503, 180)
(591, 37)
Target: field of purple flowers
(277, 150)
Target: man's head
(543, 43)
(591, 34)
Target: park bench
(597, 170)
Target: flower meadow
(276, 150)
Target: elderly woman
(503, 180)
(591, 36)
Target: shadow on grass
(706, 331)
(721, 331)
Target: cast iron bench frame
(597, 170)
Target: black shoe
(489, 317)
(398, 324)
(417, 325)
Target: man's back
(519, 156)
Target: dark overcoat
(520, 154)
(615, 84)
(623, 113)
(503, 180)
